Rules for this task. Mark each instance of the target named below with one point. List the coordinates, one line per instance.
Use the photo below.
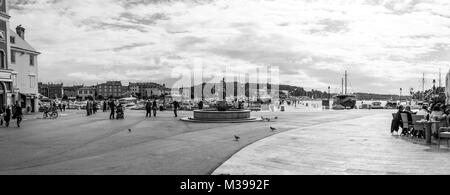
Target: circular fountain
(222, 114)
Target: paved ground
(75, 144)
(356, 145)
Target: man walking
(7, 117)
(104, 106)
(155, 107)
(2, 114)
(88, 113)
(94, 107)
(112, 106)
(18, 114)
(176, 105)
(148, 108)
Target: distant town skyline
(384, 44)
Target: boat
(376, 106)
(344, 101)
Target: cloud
(384, 44)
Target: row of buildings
(110, 89)
(18, 65)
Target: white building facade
(18, 65)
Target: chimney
(20, 31)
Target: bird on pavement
(276, 118)
(236, 138)
(129, 130)
(273, 129)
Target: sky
(384, 44)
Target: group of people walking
(7, 113)
(151, 107)
(91, 107)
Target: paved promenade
(306, 142)
(76, 144)
(354, 146)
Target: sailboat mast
(440, 78)
(342, 86)
(346, 83)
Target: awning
(30, 95)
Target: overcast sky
(384, 44)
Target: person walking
(148, 108)
(2, 114)
(7, 117)
(155, 107)
(105, 106)
(64, 106)
(87, 108)
(112, 106)
(18, 114)
(176, 105)
(94, 107)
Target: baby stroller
(120, 113)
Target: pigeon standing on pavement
(236, 138)
(129, 130)
(273, 129)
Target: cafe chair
(419, 129)
(407, 125)
(444, 133)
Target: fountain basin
(213, 116)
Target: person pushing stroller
(120, 112)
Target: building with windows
(72, 91)
(18, 65)
(146, 90)
(50, 90)
(87, 92)
(25, 66)
(110, 89)
(7, 93)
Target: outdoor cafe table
(428, 132)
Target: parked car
(376, 105)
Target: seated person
(409, 113)
(397, 121)
(438, 113)
(423, 111)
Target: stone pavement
(76, 144)
(352, 146)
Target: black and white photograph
(224, 88)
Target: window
(31, 60)
(2, 60)
(32, 81)
(12, 39)
(13, 57)
(14, 79)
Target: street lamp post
(329, 92)
(401, 89)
